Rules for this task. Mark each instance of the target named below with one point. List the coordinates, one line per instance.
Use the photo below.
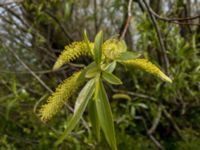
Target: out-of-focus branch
(156, 120)
(60, 25)
(169, 117)
(174, 20)
(31, 72)
(15, 15)
(153, 139)
(127, 20)
(9, 2)
(41, 82)
(163, 50)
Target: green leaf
(111, 78)
(94, 119)
(105, 116)
(121, 96)
(87, 41)
(92, 72)
(98, 47)
(14, 86)
(141, 105)
(111, 67)
(128, 55)
(81, 103)
(96, 87)
(83, 72)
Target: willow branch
(156, 120)
(31, 72)
(180, 21)
(60, 25)
(127, 21)
(164, 55)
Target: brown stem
(127, 20)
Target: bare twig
(31, 72)
(164, 55)
(168, 116)
(173, 19)
(60, 25)
(95, 16)
(127, 21)
(154, 140)
(15, 15)
(156, 120)
(42, 83)
(9, 2)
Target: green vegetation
(103, 99)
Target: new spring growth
(105, 57)
(111, 49)
(147, 66)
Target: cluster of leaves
(36, 34)
(94, 93)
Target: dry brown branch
(127, 21)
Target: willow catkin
(72, 52)
(113, 47)
(62, 93)
(147, 66)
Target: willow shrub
(106, 55)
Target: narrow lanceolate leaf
(97, 84)
(92, 72)
(81, 103)
(94, 119)
(128, 55)
(105, 117)
(111, 78)
(87, 41)
(147, 66)
(111, 67)
(98, 47)
(84, 71)
(121, 96)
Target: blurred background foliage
(152, 115)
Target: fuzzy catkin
(147, 66)
(72, 52)
(62, 93)
(113, 47)
(110, 49)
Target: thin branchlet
(147, 66)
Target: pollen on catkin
(147, 66)
(72, 52)
(62, 93)
(113, 47)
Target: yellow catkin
(62, 93)
(113, 47)
(72, 52)
(147, 66)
